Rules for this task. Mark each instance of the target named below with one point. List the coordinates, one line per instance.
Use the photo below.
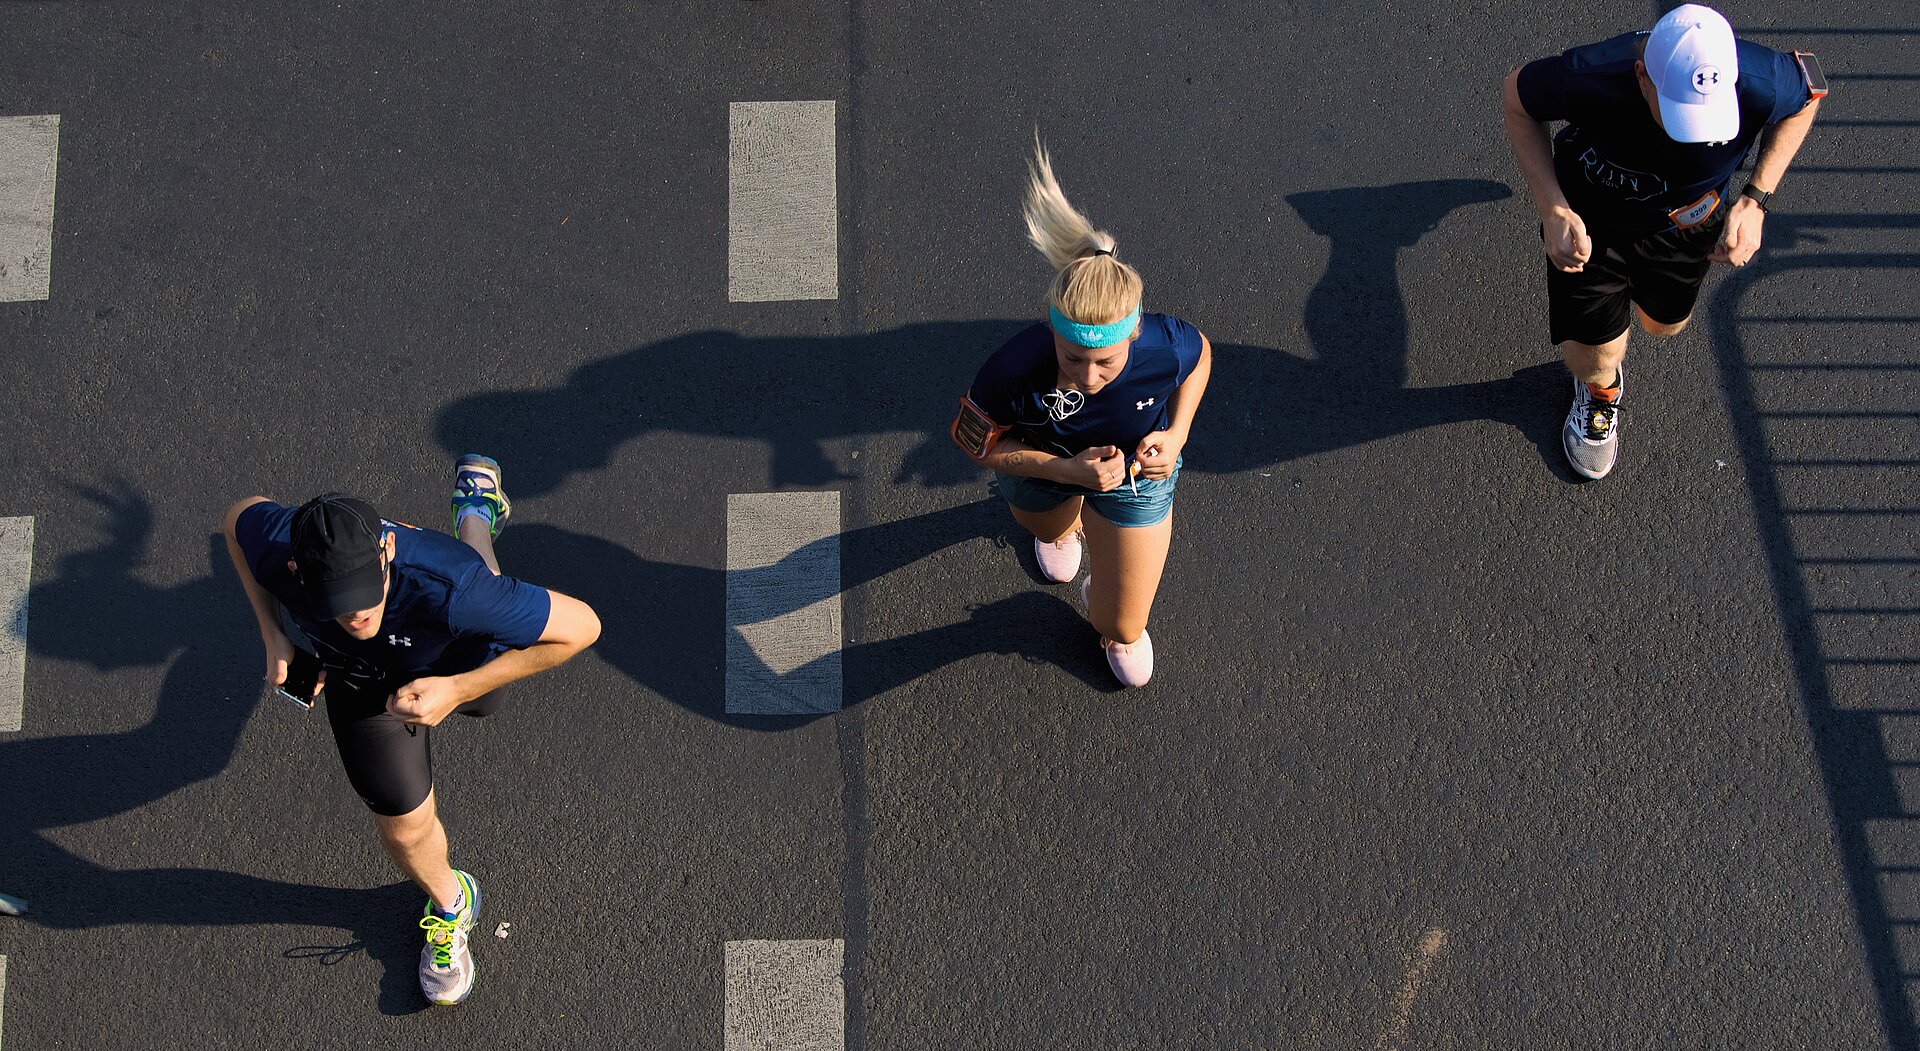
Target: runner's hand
(1742, 237)
(1157, 453)
(1100, 468)
(1568, 246)
(279, 656)
(424, 702)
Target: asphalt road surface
(1444, 750)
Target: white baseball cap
(1693, 64)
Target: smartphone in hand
(303, 679)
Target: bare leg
(1049, 526)
(1596, 365)
(417, 842)
(476, 534)
(1126, 566)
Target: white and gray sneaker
(446, 962)
(1591, 436)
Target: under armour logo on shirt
(399, 640)
(1142, 404)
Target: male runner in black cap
(409, 626)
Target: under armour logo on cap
(1690, 55)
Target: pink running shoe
(1131, 664)
(1060, 560)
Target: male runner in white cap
(1633, 192)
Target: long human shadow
(1265, 406)
(97, 610)
(677, 648)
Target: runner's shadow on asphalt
(97, 610)
(1264, 406)
(678, 648)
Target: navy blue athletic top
(1618, 168)
(1020, 382)
(446, 611)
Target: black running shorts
(389, 762)
(1661, 272)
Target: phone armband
(1810, 71)
(974, 431)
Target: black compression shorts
(1662, 273)
(389, 761)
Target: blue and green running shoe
(446, 961)
(476, 485)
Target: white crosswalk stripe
(29, 154)
(783, 603)
(16, 575)
(786, 996)
(783, 232)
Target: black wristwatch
(1760, 197)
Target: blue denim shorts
(1121, 506)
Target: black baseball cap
(337, 542)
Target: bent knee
(408, 830)
(1659, 328)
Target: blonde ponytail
(1091, 286)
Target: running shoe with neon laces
(1591, 436)
(476, 484)
(1131, 663)
(446, 961)
(1060, 560)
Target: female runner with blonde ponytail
(1084, 417)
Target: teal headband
(1094, 335)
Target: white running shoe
(1591, 436)
(446, 961)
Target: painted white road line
(3, 1001)
(1432, 944)
(786, 996)
(783, 603)
(783, 230)
(29, 152)
(16, 574)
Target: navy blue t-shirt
(446, 611)
(1618, 168)
(1019, 386)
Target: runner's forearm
(514, 665)
(1778, 144)
(1014, 457)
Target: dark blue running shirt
(1618, 168)
(1014, 385)
(446, 611)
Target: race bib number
(1697, 212)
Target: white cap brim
(1717, 120)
